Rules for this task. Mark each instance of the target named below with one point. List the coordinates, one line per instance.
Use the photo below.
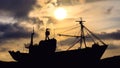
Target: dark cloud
(13, 31)
(107, 36)
(3, 49)
(19, 7)
(112, 35)
(112, 46)
(33, 20)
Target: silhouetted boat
(45, 51)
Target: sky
(18, 17)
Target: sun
(60, 13)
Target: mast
(82, 39)
(31, 42)
(82, 33)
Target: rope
(64, 27)
(70, 29)
(91, 37)
(76, 41)
(95, 35)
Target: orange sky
(96, 14)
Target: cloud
(13, 31)
(113, 35)
(33, 21)
(19, 7)
(115, 19)
(18, 23)
(106, 36)
(3, 49)
(113, 47)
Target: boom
(68, 35)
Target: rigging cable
(91, 37)
(70, 29)
(74, 43)
(95, 35)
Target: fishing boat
(45, 51)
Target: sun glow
(60, 13)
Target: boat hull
(86, 55)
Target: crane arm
(68, 35)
